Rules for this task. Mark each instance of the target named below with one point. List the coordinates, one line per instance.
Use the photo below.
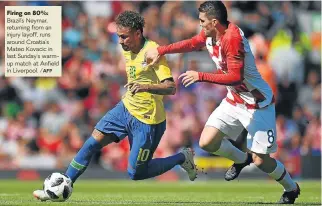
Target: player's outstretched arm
(166, 87)
(235, 57)
(233, 77)
(195, 43)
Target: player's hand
(189, 77)
(136, 87)
(152, 56)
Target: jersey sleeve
(188, 45)
(162, 69)
(234, 53)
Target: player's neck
(220, 31)
(139, 46)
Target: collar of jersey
(145, 43)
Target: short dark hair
(215, 9)
(130, 19)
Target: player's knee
(136, 175)
(103, 138)
(258, 161)
(139, 173)
(261, 159)
(204, 145)
(210, 139)
(133, 175)
(208, 145)
(98, 135)
(204, 142)
(264, 162)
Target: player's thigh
(224, 122)
(144, 141)
(261, 127)
(114, 123)
(210, 138)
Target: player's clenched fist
(136, 87)
(152, 56)
(189, 77)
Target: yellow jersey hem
(142, 119)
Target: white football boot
(41, 195)
(189, 164)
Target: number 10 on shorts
(143, 155)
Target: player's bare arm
(166, 87)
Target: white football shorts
(260, 124)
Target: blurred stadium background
(44, 121)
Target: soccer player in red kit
(249, 103)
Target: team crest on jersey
(144, 64)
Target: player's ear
(138, 32)
(214, 22)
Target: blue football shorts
(143, 138)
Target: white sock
(229, 151)
(283, 177)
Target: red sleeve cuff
(200, 74)
(161, 50)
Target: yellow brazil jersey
(146, 107)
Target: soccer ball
(58, 187)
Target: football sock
(156, 167)
(82, 158)
(229, 151)
(283, 177)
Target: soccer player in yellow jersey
(140, 114)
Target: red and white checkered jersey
(235, 66)
(252, 90)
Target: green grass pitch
(215, 192)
